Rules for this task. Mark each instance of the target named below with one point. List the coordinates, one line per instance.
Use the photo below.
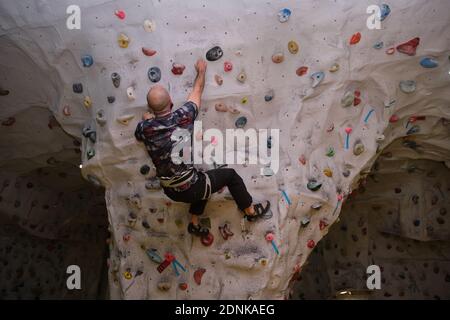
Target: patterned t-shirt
(156, 134)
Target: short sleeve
(187, 113)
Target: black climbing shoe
(197, 230)
(260, 211)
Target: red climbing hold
(409, 47)
(183, 286)
(394, 118)
(198, 274)
(356, 101)
(178, 68)
(120, 14)
(9, 122)
(322, 224)
(301, 71)
(207, 240)
(148, 52)
(355, 38)
(227, 66)
(311, 244)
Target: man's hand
(147, 116)
(200, 66)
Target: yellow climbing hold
(127, 275)
(328, 172)
(293, 47)
(87, 102)
(123, 40)
(244, 100)
(334, 67)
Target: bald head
(158, 98)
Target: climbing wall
(338, 91)
(398, 220)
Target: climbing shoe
(260, 211)
(197, 230)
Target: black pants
(219, 178)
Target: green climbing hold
(330, 152)
(90, 154)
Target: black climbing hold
(145, 224)
(154, 74)
(416, 223)
(77, 88)
(241, 122)
(115, 77)
(214, 54)
(145, 169)
(111, 99)
(4, 92)
(313, 185)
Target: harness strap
(173, 182)
(207, 193)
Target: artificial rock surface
(43, 64)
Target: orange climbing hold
(301, 71)
(355, 38)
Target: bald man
(182, 182)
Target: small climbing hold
(428, 62)
(313, 185)
(66, 111)
(355, 38)
(214, 53)
(244, 100)
(115, 77)
(278, 57)
(144, 169)
(111, 99)
(198, 274)
(302, 159)
(207, 240)
(269, 96)
(241, 122)
(301, 71)
(177, 68)
(77, 88)
(317, 78)
(123, 40)
(100, 118)
(148, 52)
(9, 122)
(87, 102)
(164, 285)
(378, 45)
(126, 237)
(227, 66)
(394, 118)
(130, 93)
(330, 152)
(346, 173)
(284, 15)
(409, 47)
(221, 107)
(385, 11)
(413, 130)
(323, 224)
(3, 92)
(127, 275)
(120, 14)
(149, 26)
(407, 86)
(293, 47)
(242, 77)
(358, 148)
(330, 128)
(183, 286)
(305, 221)
(225, 231)
(90, 154)
(334, 67)
(125, 119)
(263, 261)
(218, 79)
(154, 74)
(311, 244)
(87, 60)
(328, 172)
(390, 51)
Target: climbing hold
(317, 78)
(316, 205)
(218, 79)
(334, 67)
(358, 148)
(164, 285)
(323, 224)
(278, 57)
(305, 221)
(302, 159)
(378, 45)
(153, 184)
(244, 100)
(111, 99)
(66, 111)
(123, 40)
(225, 231)
(313, 185)
(90, 154)
(284, 15)
(328, 172)
(269, 96)
(428, 62)
(127, 275)
(385, 11)
(355, 38)
(330, 128)
(9, 122)
(214, 53)
(394, 118)
(348, 130)
(120, 14)
(413, 129)
(149, 25)
(77, 88)
(101, 120)
(221, 107)
(227, 66)
(87, 60)
(177, 69)
(407, 86)
(126, 237)
(115, 77)
(242, 77)
(409, 47)
(89, 133)
(154, 74)
(311, 244)
(293, 47)
(3, 92)
(330, 152)
(233, 110)
(144, 169)
(125, 119)
(263, 261)
(390, 51)
(148, 52)
(241, 122)
(301, 71)
(207, 240)
(130, 93)
(87, 102)
(198, 274)
(183, 286)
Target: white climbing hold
(149, 25)
(125, 119)
(131, 94)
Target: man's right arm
(199, 83)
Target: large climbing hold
(214, 53)
(409, 47)
(154, 74)
(385, 11)
(428, 62)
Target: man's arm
(199, 83)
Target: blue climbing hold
(87, 60)
(317, 78)
(428, 62)
(241, 122)
(284, 15)
(385, 11)
(154, 74)
(77, 88)
(378, 45)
